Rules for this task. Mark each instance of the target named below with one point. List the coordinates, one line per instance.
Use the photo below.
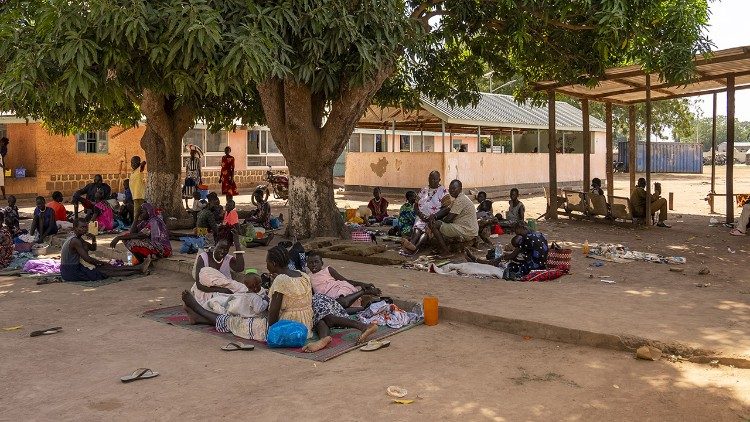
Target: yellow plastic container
(430, 307)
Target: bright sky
(728, 28)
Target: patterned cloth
(406, 218)
(544, 275)
(192, 177)
(296, 303)
(6, 247)
(534, 248)
(255, 328)
(378, 208)
(323, 306)
(158, 244)
(429, 202)
(228, 186)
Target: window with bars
(92, 142)
(262, 150)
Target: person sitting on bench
(638, 200)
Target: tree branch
(271, 93)
(557, 23)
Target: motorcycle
(276, 183)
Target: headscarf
(159, 232)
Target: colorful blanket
(344, 340)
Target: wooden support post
(552, 146)
(610, 153)
(648, 148)
(671, 201)
(632, 147)
(396, 146)
(730, 150)
(713, 156)
(442, 127)
(586, 144)
(512, 141)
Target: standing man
(137, 185)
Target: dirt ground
(482, 375)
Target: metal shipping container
(666, 157)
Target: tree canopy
(310, 68)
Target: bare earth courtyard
(455, 370)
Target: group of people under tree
(232, 300)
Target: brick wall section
(22, 150)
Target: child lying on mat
(327, 281)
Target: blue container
(203, 193)
(666, 157)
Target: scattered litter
(527, 338)
(713, 222)
(14, 328)
(616, 386)
(597, 263)
(730, 250)
(702, 284)
(608, 281)
(403, 401)
(648, 353)
(704, 271)
(396, 391)
(676, 270)
(714, 363)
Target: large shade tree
(310, 68)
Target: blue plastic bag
(286, 333)
(191, 245)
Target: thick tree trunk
(164, 174)
(295, 116)
(166, 125)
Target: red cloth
(228, 186)
(544, 275)
(379, 209)
(61, 213)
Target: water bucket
(430, 307)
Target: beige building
(503, 144)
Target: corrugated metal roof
(503, 111)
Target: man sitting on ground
(457, 223)
(44, 220)
(743, 221)
(61, 214)
(328, 281)
(638, 200)
(76, 249)
(378, 206)
(516, 211)
(90, 192)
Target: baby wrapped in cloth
(242, 302)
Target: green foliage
(703, 127)
(86, 63)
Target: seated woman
(328, 281)
(149, 236)
(220, 259)
(378, 206)
(218, 293)
(6, 244)
(406, 216)
(205, 221)
(44, 220)
(261, 215)
(530, 253)
(76, 249)
(101, 212)
(429, 202)
(291, 299)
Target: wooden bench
(575, 201)
(740, 199)
(598, 205)
(560, 202)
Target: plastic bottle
(586, 248)
(430, 307)
(498, 250)
(130, 258)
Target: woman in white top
(429, 202)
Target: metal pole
(730, 150)
(648, 148)
(538, 140)
(713, 155)
(479, 138)
(442, 127)
(384, 142)
(421, 137)
(586, 144)
(393, 132)
(512, 141)
(552, 145)
(609, 153)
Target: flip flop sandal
(231, 347)
(139, 374)
(48, 331)
(374, 345)
(735, 232)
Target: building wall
(22, 148)
(403, 170)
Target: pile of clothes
(384, 313)
(619, 253)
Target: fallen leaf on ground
(17, 327)
(403, 401)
